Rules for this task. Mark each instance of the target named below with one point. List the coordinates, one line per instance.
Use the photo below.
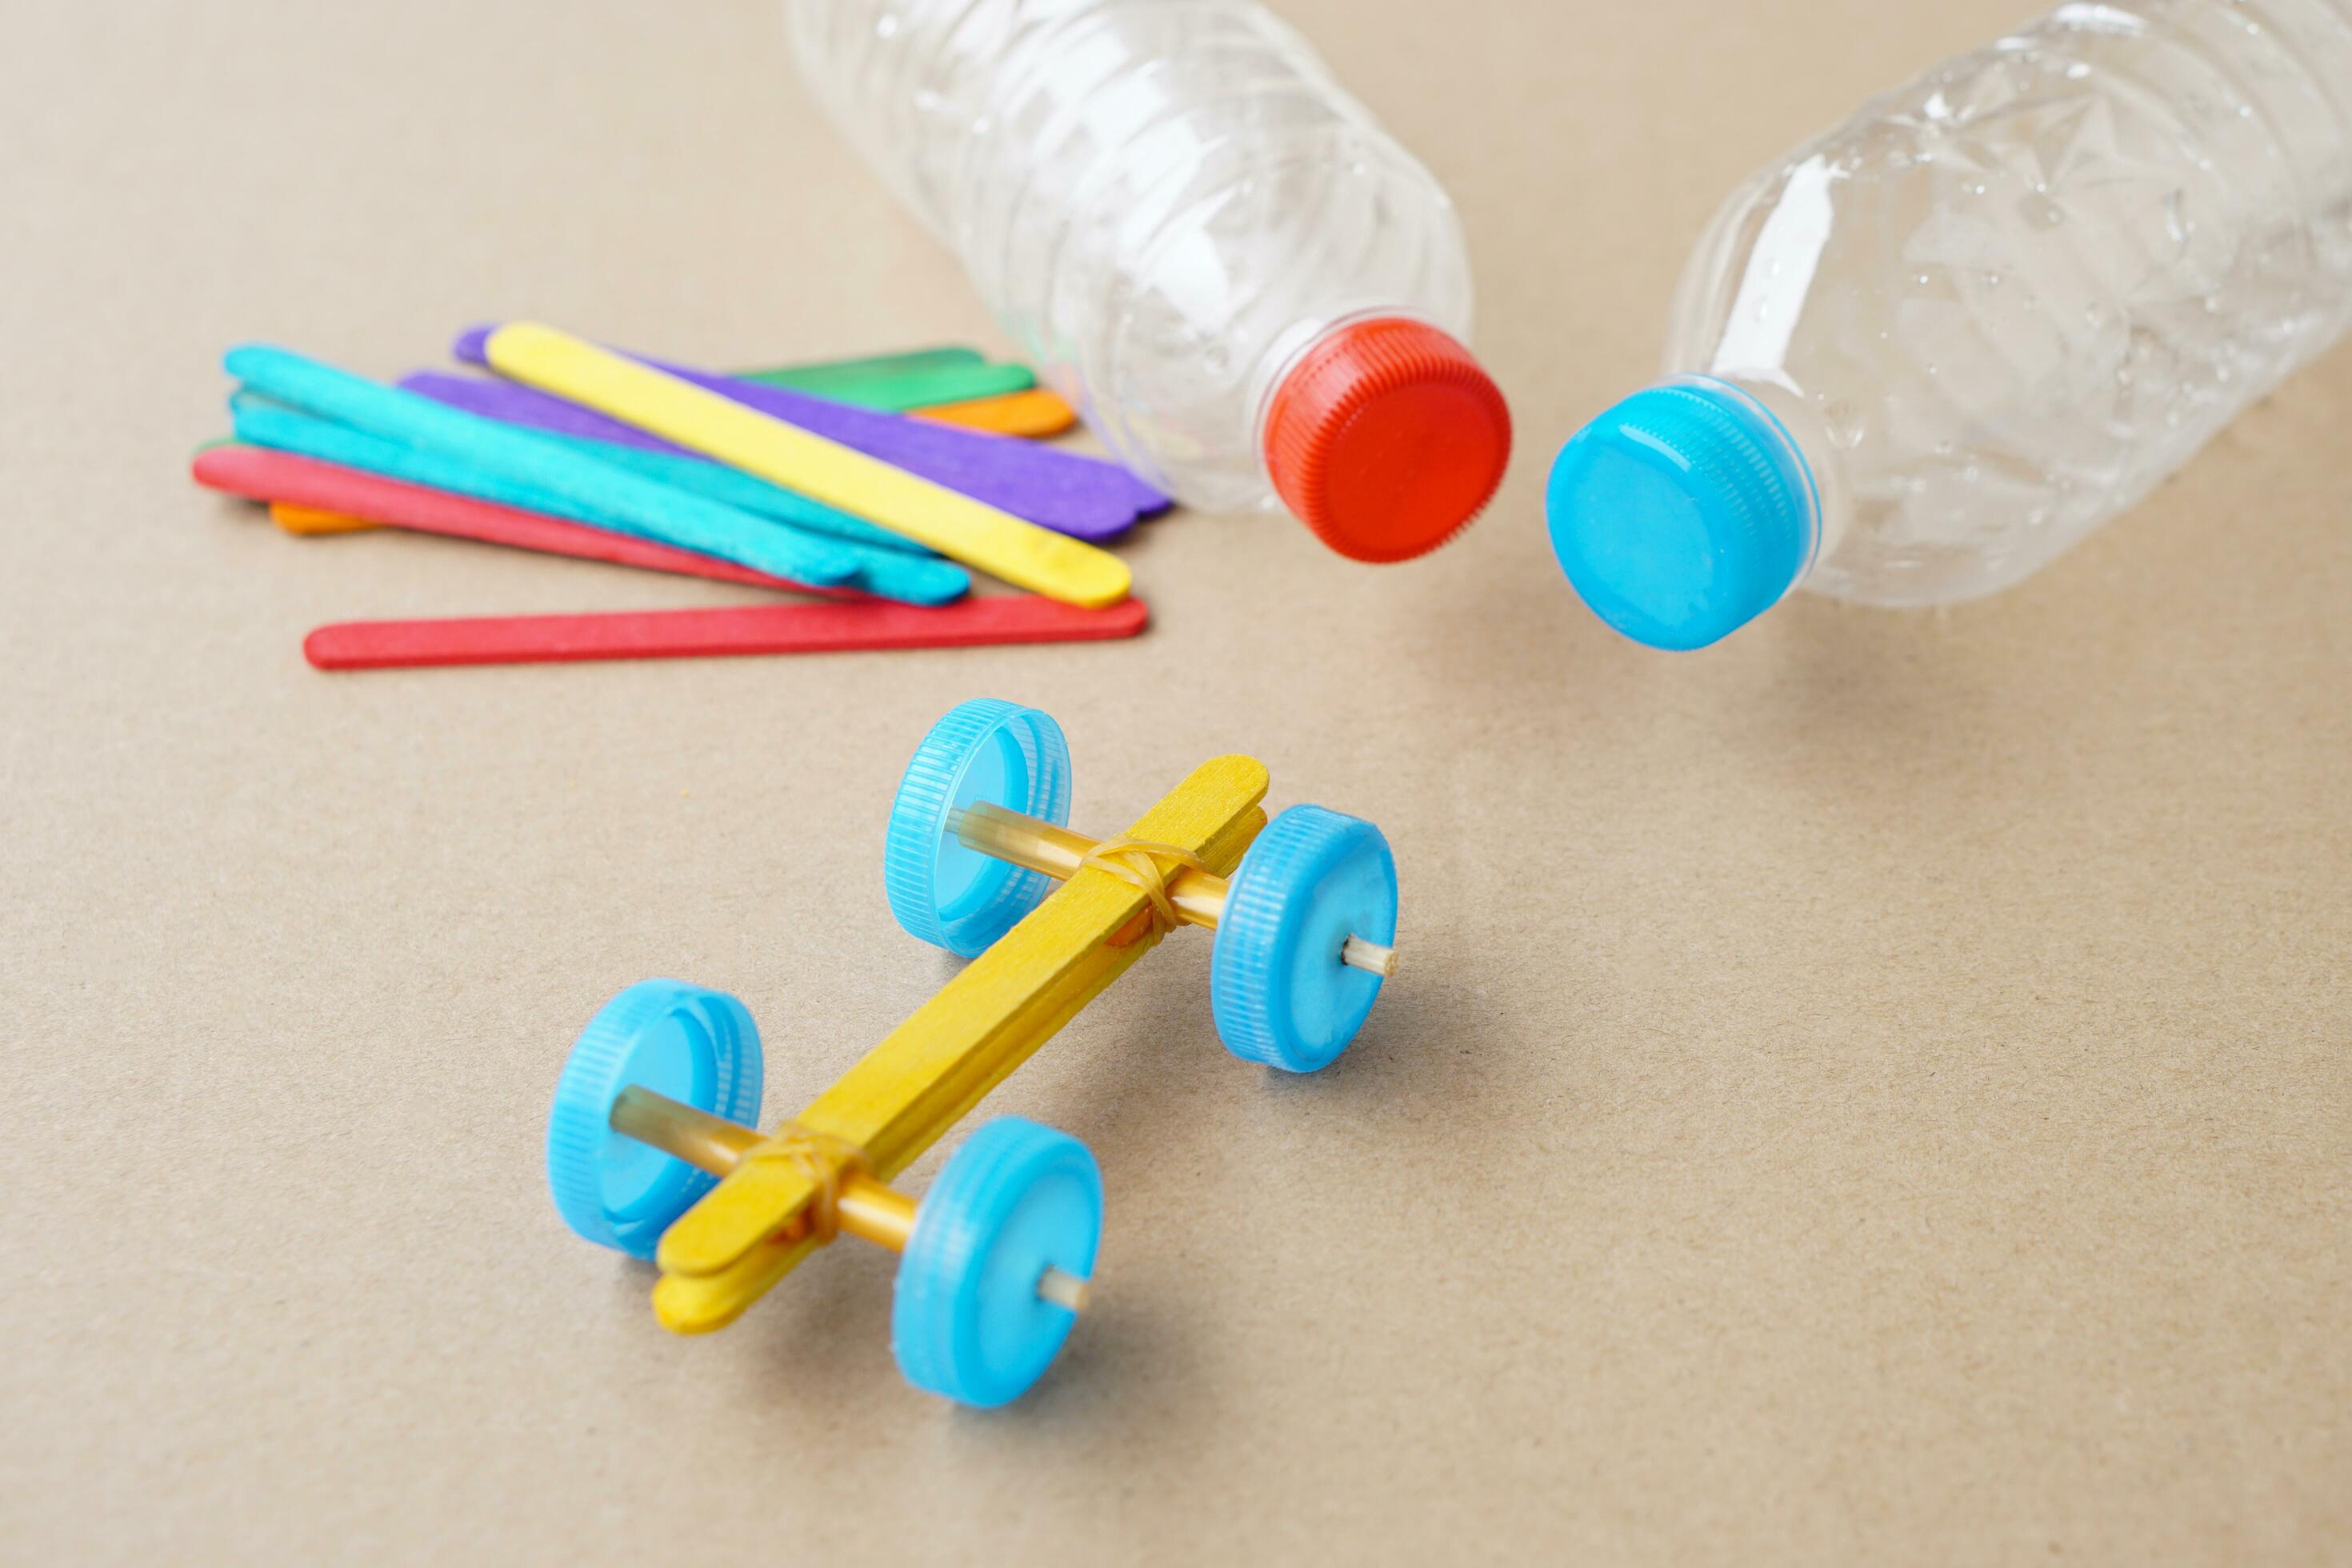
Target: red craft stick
(257, 473)
(687, 634)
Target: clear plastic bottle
(1923, 355)
(1247, 287)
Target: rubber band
(1138, 863)
(826, 1160)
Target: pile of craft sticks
(875, 487)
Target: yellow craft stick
(925, 1075)
(310, 520)
(978, 535)
(863, 1206)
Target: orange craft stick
(1032, 414)
(309, 520)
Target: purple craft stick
(1086, 498)
(516, 404)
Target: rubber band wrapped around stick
(830, 1163)
(1139, 864)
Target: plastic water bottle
(1243, 284)
(1919, 358)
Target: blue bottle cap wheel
(1683, 513)
(966, 1319)
(697, 1046)
(1281, 995)
(985, 749)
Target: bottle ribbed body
(2013, 296)
(1163, 202)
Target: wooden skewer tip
(1369, 956)
(1063, 1288)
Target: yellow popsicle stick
(978, 535)
(309, 520)
(928, 1073)
(863, 1207)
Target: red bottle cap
(1386, 438)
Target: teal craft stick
(261, 422)
(893, 575)
(745, 492)
(638, 505)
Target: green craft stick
(899, 391)
(881, 367)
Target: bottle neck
(1808, 437)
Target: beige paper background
(1876, 1090)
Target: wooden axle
(1199, 896)
(865, 1207)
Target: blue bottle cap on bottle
(1683, 513)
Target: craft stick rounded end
(1098, 587)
